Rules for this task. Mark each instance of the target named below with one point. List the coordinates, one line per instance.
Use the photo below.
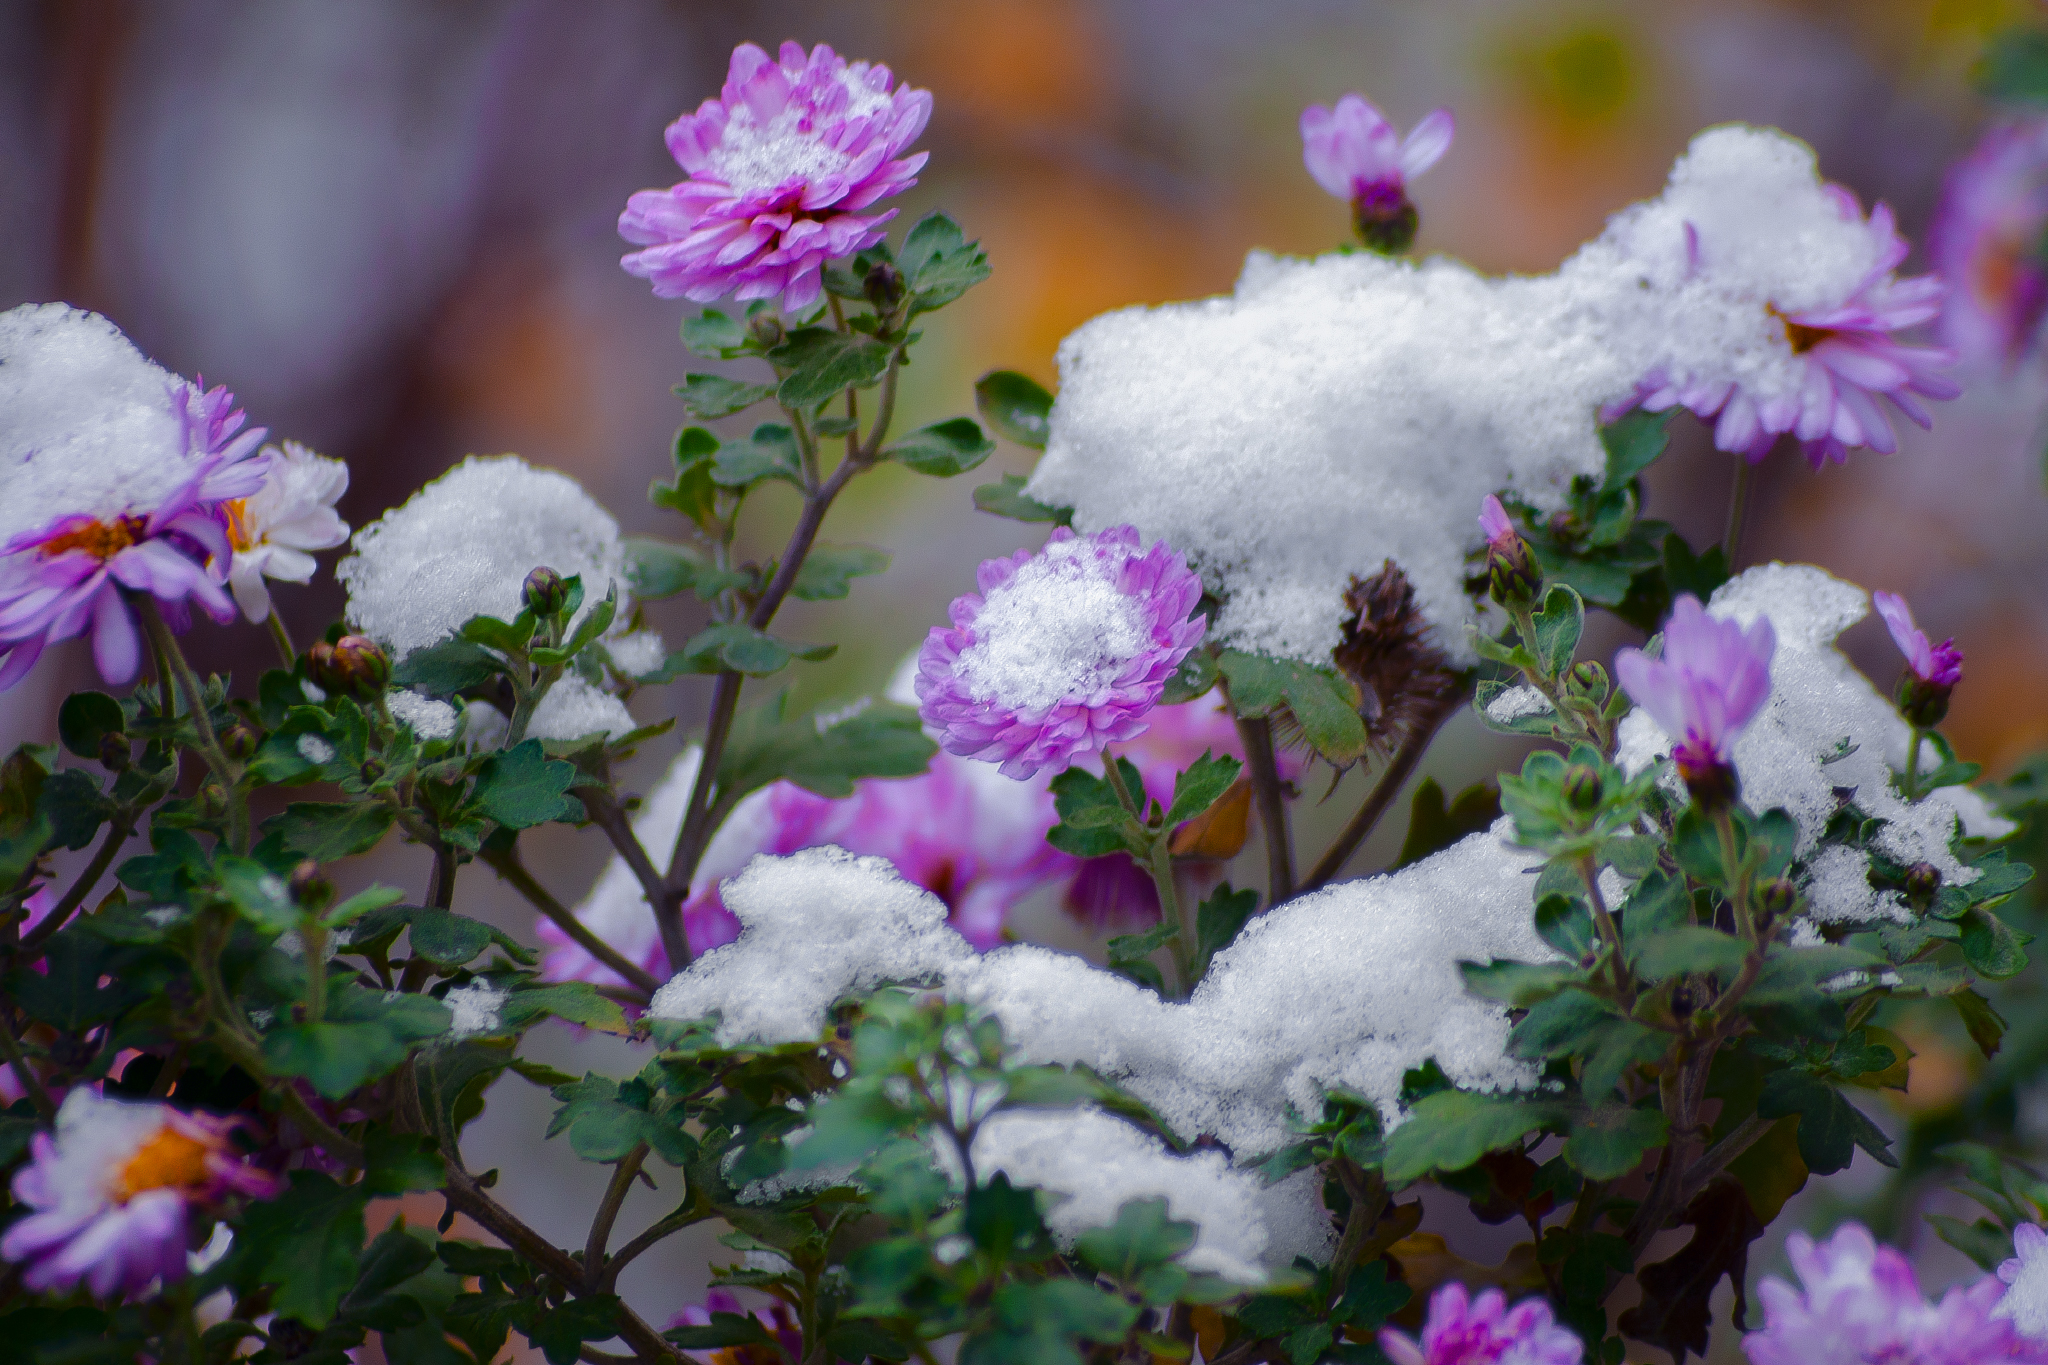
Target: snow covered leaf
(1006, 499)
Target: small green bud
(1922, 703)
(545, 593)
(115, 753)
(1775, 899)
(767, 331)
(239, 740)
(1583, 788)
(1587, 678)
(352, 666)
(311, 890)
(883, 287)
(1923, 880)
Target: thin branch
(31, 1084)
(1721, 1155)
(607, 1214)
(687, 1216)
(508, 867)
(118, 834)
(1396, 775)
(1256, 734)
(209, 743)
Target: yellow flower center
(1804, 339)
(100, 539)
(170, 1158)
(238, 524)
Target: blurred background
(388, 226)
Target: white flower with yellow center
(275, 529)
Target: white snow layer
(573, 709)
(428, 718)
(475, 1008)
(1335, 413)
(1819, 705)
(87, 423)
(463, 546)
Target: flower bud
(352, 666)
(883, 287)
(1587, 678)
(1512, 573)
(309, 888)
(1712, 783)
(1922, 881)
(239, 740)
(1582, 788)
(115, 752)
(546, 593)
(1924, 704)
(767, 331)
(1384, 218)
(1775, 899)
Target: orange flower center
(1803, 338)
(238, 524)
(168, 1159)
(100, 539)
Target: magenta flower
(1493, 521)
(1462, 1330)
(1986, 243)
(112, 1192)
(2025, 1277)
(1714, 676)
(1354, 153)
(782, 166)
(1938, 665)
(1846, 356)
(1061, 652)
(1862, 1303)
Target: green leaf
(942, 449)
(259, 894)
(400, 1163)
(1991, 946)
(1018, 407)
(561, 1330)
(447, 939)
(601, 1126)
(74, 806)
(1985, 1025)
(1519, 984)
(522, 787)
(327, 832)
(692, 492)
(1127, 948)
(1260, 684)
(1633, 443)
(823, 362)
(336, 1058)
(507, 637)
(1039, 1323)
(85, 719)
(1686, 572)
(1093, 822)
(1830, 1128)
(1621, 1046)
(1220, 918)
(576, 1002)
(1789, 973)
(739, 648)
(1197, 789)
(1559, 1026)
(444, 669)
(938, 264)
(769, 453)
(765, 745)
(657, 568)
(1688, 948)
(2014, 68)
(716, 335)
(1434, 825)
(1558, 627)
(713, 395)
(1451, 1129)
(1609, 1142)
(305, 1243)
(724, 1329)
(827, 570)
(1006, 499)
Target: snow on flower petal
(2025, 1277)
(274, 530)
(782, 168)
(1462, 1330)
(110, 1191)
(1061, 652)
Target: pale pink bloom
(1462, 1330)
(111, 1193)
(274, 530)
(2025, 1277)
(1940, 665)
(1493, 521)
(783, 166)
(1062, 652)
(1714, 676)
(1860, 1302)
(1354, 153)
(1986, 242)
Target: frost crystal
(428, 718)
(1279, 436)
(1826, 729)
(463, 545)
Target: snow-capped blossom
(1462, 1330)
(1713, 677)
(275, 529)
(112, 1192)
(776, 1318)
(1061, 652)
(2025, 1277)
(1986, 243)
(1862, 1303)
(1843, 353)
(1937, 665)
(782, 168)
(1354, 153)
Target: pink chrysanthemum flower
(1061, 652)
(782, 165)
(112, 1192)
(1862, 1303)
(1713, 678)
(1355, 154)
(1938, 665)
(1847, 359)
(1986, 243)
(1462, 1330)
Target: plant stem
(209, 744)
(31, 1085)
(110, 847)
(283, 640)
(675, 1222)
(444, 876)
(1738, 508)
(509, 867)
(1913, 764)
(608, 1214)
(1738, 876)
(1589, 872)
(1256, 734)
(1413, 746)
(313, 935)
